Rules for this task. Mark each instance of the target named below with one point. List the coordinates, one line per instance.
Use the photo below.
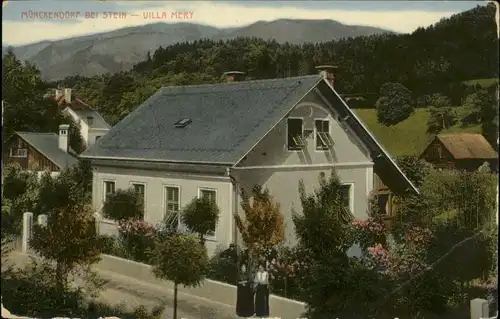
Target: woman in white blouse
(262, 293)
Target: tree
(440, 119)
(201, 216)
(16, 181)
(19, 195)
(481, 107)
(415, 168)
(70, 240)
(324, 207)
(263, 227)
(324, 233)
(394, 104)
(25, 108)
(123, 205)
(489, 115)
(69, 188)
(472, 108)
(82, 177)
(441, 114)
(182, 260)
(76, 141)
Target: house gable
(461, 151)
(316, 118)
(437, 154)
(17, 150)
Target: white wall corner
(369, 181)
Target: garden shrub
(99, 309)
(113, 246)
(138, 239)
(123, 205)
(224, 266)
(31, 292)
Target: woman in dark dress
(262, 293)
(244, 297)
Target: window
(109, 188)
(140, 191)
(90, 120)
(172, 206)
(182, 123)
(18, 152)
(211, 195)
(346, 196)
(295, 139)
(323, 139)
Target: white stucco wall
(84, 128)
(272, 149)
(272, 165)
(155, 197)
(88, 134)
(283, 184)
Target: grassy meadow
(408, 137)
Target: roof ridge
(245, 82)
(38, 133)
(459, 133)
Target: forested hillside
(435, 59)
(119, 50)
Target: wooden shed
(464, 151)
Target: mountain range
(121, 49)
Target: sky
(21, 26)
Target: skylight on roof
(182, 123)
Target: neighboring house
(92, 125)
(464, 151)
(40, 151)
(213, 140)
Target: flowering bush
(418, 237)
(407, 259)
(402, 259)
(138, 238)
(369, 233)
(287, 269)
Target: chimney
(67, 95)
(59, 93)
(64, 137)
(327, 72)
(234, 76)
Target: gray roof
(48, 145)
(227, 121)
(98, 122)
